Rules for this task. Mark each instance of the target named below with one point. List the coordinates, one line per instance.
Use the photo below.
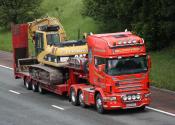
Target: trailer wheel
(27, 84)
(73, 97)
(40, 89)
(34, 88)
(81, 100)
(99, 104)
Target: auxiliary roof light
(134, 41)
(126, 42)
(129, 42)
(119, 42)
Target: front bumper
(120, 104)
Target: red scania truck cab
(118, 73)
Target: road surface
(19, 106)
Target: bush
(18, 11)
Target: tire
(41, 90)
(81, 100)
(73, 97)
(99, 104)
(34, 88)
(27, 84)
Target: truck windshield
(126, 65)
(52, 39)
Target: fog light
(138, 97)
(129, 98)
(133, 97)
(124, 98)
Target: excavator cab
(46, 35)
(52, 38)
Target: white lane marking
(14, 92)
(6, 67)
(161, 111)
(55, 106)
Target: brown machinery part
(47, 74)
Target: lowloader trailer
(113, 75)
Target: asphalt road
(29, 108)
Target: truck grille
(129, 85)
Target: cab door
(99, 76)
(39, 43)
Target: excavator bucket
(19, 42)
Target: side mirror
(101, 67)
(149, 61)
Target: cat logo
(54, 49)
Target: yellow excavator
(51, 45)
(52, 50)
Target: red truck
(115, 74)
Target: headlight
(110, 98)
(113, 98)
(138, 97)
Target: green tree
(18, 11)
(153, 20)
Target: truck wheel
(81, 100)
(73, 97)
(27, 84)
(34, 88)
(40, 89)
(99, 104)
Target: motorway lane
(29, 108)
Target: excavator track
(48, 75)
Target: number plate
(131, 105)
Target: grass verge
(163, 68)
(5, 41)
